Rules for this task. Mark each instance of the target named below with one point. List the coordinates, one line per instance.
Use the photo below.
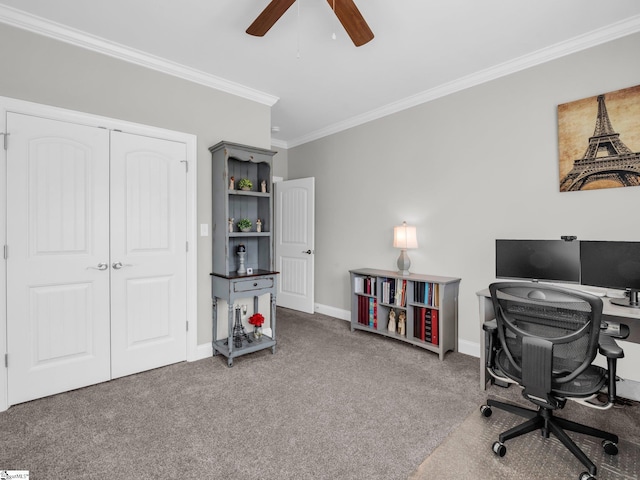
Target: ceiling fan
(346, 11)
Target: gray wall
(280, 162)
(465, 169)
(45, 71)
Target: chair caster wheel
(586, 476)
(486, 411)
(499, 449)
(610, 447)
(230, 362)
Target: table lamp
(404, 237)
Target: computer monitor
(538, 260)
(612, 265)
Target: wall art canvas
(599, 141)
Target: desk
(610, 313)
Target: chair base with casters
(544, 339)
(544, 420)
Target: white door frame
(55, 113)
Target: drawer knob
(255, 284)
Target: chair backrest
(548, 334)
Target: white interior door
(295, 209)
(148, 253)
(58, 252)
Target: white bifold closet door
(96, 255)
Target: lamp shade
(404, 236)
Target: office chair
(545, 338)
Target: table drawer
(254, 284)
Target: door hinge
(6, 252)
(187, 326)
(6, 360)
(186, 165)
(186, 246)
(5, 136)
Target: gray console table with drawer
(231, 288)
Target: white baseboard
(469, 348)
(333, 312)
(204, 350)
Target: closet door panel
(148, 253)
(58, 243)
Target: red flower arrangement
(256, 319)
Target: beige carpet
(466, 453)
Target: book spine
(427, 325)
(434, 327)
(375, 313)
(358, 284)
(403, 299)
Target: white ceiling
(423, 49)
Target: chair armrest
(608, 347)
(490, 328)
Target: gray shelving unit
(242, 161)
(444, 300)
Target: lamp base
(403, 262)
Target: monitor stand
(631, 302)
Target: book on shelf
(373, 313)
(368, 311)
(434, 327)
(363, 310)
(386, 291)
(394, 291)
(403, 294)
(358, 284)
(425, 324)
(427, 293)
(370, 285)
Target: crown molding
(576, 44)
(18, 18)
(279, 143)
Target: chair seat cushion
(587, 383)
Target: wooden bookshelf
(428, 302)
(228, 281)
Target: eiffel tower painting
(607, 161)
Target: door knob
(119, 265)
(307, 251)
(100, 266)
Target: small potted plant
(245, 184)
(257, 320)
(244, 225)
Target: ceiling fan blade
(352, 21)
(269, 17)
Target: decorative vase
(257, 333)
(245, 230)
(237, 331)
(241, 267)
(246, 189)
